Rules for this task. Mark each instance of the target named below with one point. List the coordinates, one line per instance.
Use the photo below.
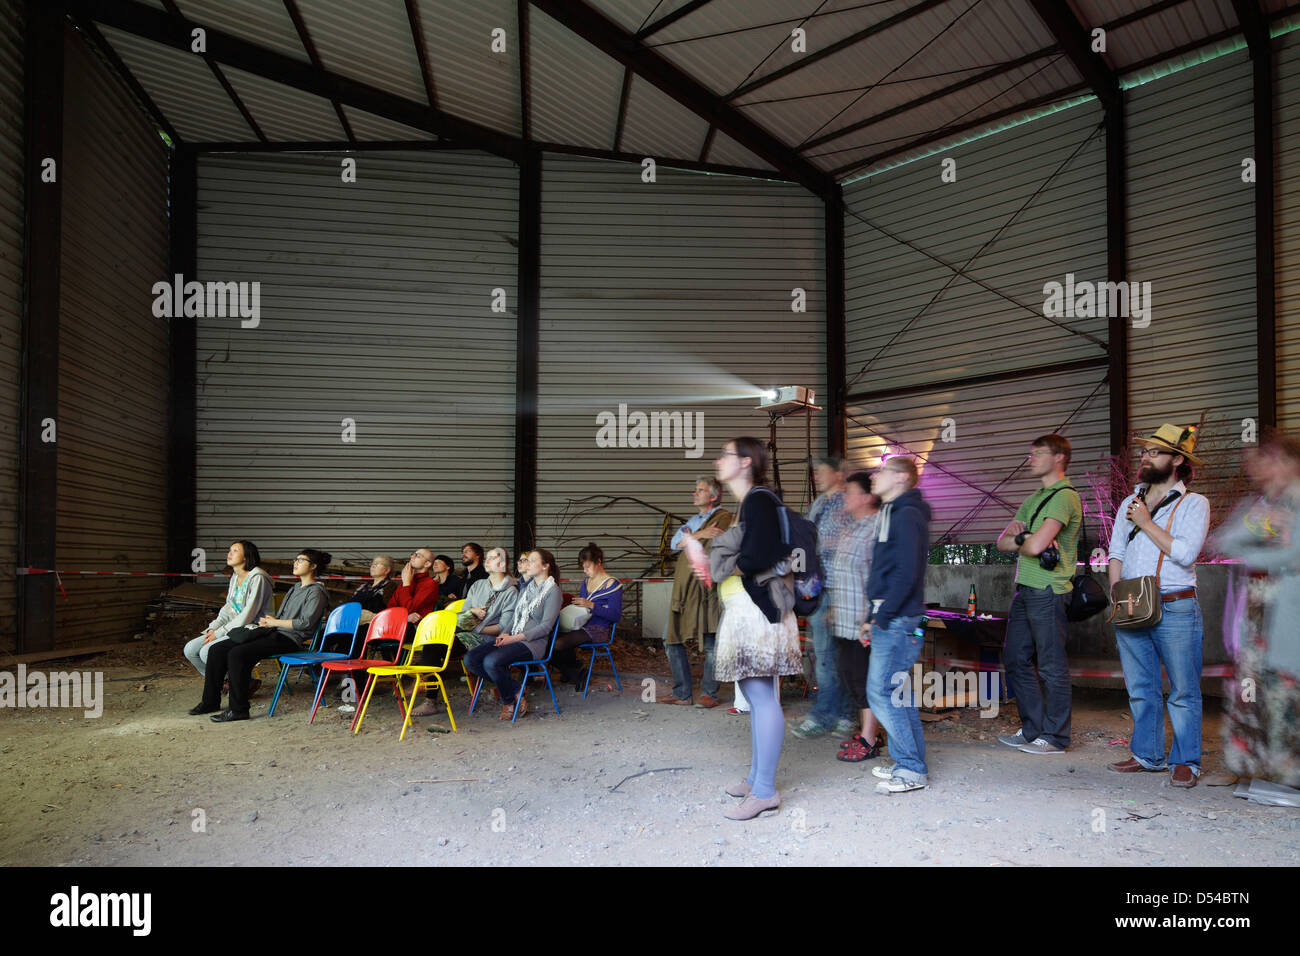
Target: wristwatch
(1020, 538)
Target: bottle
(970, 603)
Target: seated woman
(247, 598)
(530, 633)
(602, 596)
(373, 596)
(300, 614)
(450, 587)
(489, 606)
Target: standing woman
(247, 598)
(1261, 731)
(300, 614)
(758, 636)
(602, 597)
(529, 634)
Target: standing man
(694, 610)
(828, 513)
(896, 593)
(1162, 519)
(1036, 627)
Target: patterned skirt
(1261, 732)
(749, 645)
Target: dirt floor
(148, 784)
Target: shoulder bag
(1136, 601)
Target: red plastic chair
(387, 625)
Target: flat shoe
(1220, 778)
(1182, 776)
(200, 709)
(741, 789)
(1131, 765)
(228, 715)
(752, 806)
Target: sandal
(507, 712)
(858, 751)
(523, 703)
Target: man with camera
(1045, 535)
(1158, 534)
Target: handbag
(573, 617)
(1136, 601)
(1087, 597)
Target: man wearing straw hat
(1159, 530)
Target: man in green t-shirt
(1045, 534)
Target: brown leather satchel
(1135, 602)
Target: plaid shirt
(832, 520)
(848, 577)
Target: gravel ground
(148, 784)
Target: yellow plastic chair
(438, 628)
(456, 606)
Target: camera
(1049, 558)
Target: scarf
(528, 602)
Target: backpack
(800, 536)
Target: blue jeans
(1176, 643)
(1036, 634)
(680, 663)
(893, 651)
(832, 704)
(492, 662)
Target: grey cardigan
(540, 622)
(500, 604)
(1282, 638)
(304, 606)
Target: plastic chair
(387, 625)
(438, 628)
(596, 651)
(344, 619)
(538, 668)
(456, 606)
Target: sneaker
(1017, 741)
(347, 708)
(736, 712)
(899, 785)
(1041, 746)
(845, 726)
(808, 730)
(884, 773)
(707, 702)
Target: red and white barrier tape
(278, 577)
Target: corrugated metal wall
(673, 296)
(112, 423)
(11, 283)
(1191, 231)
(376, 306)
(1036, 196)
(1286, 247)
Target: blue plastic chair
(344, 619)
(596, 651)
(538, 668)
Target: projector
(786, 398)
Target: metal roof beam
(835, 47)
(421, 52)
(525, 73)
(608, 37)
(300, 25)
(174, 31)
(1074, 39)
(124, 73)
(225, 83)
(1253, 26)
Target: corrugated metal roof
(369, 126)
(183, 87)
(575, 88)
(727, 152)
(657, 125)
(266, 24)
(376, 47)
(722, 46)
(283, 112)
(472, 80)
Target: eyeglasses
(307, 560)
(1154, 453)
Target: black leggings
(237, 660)
(852, 660)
